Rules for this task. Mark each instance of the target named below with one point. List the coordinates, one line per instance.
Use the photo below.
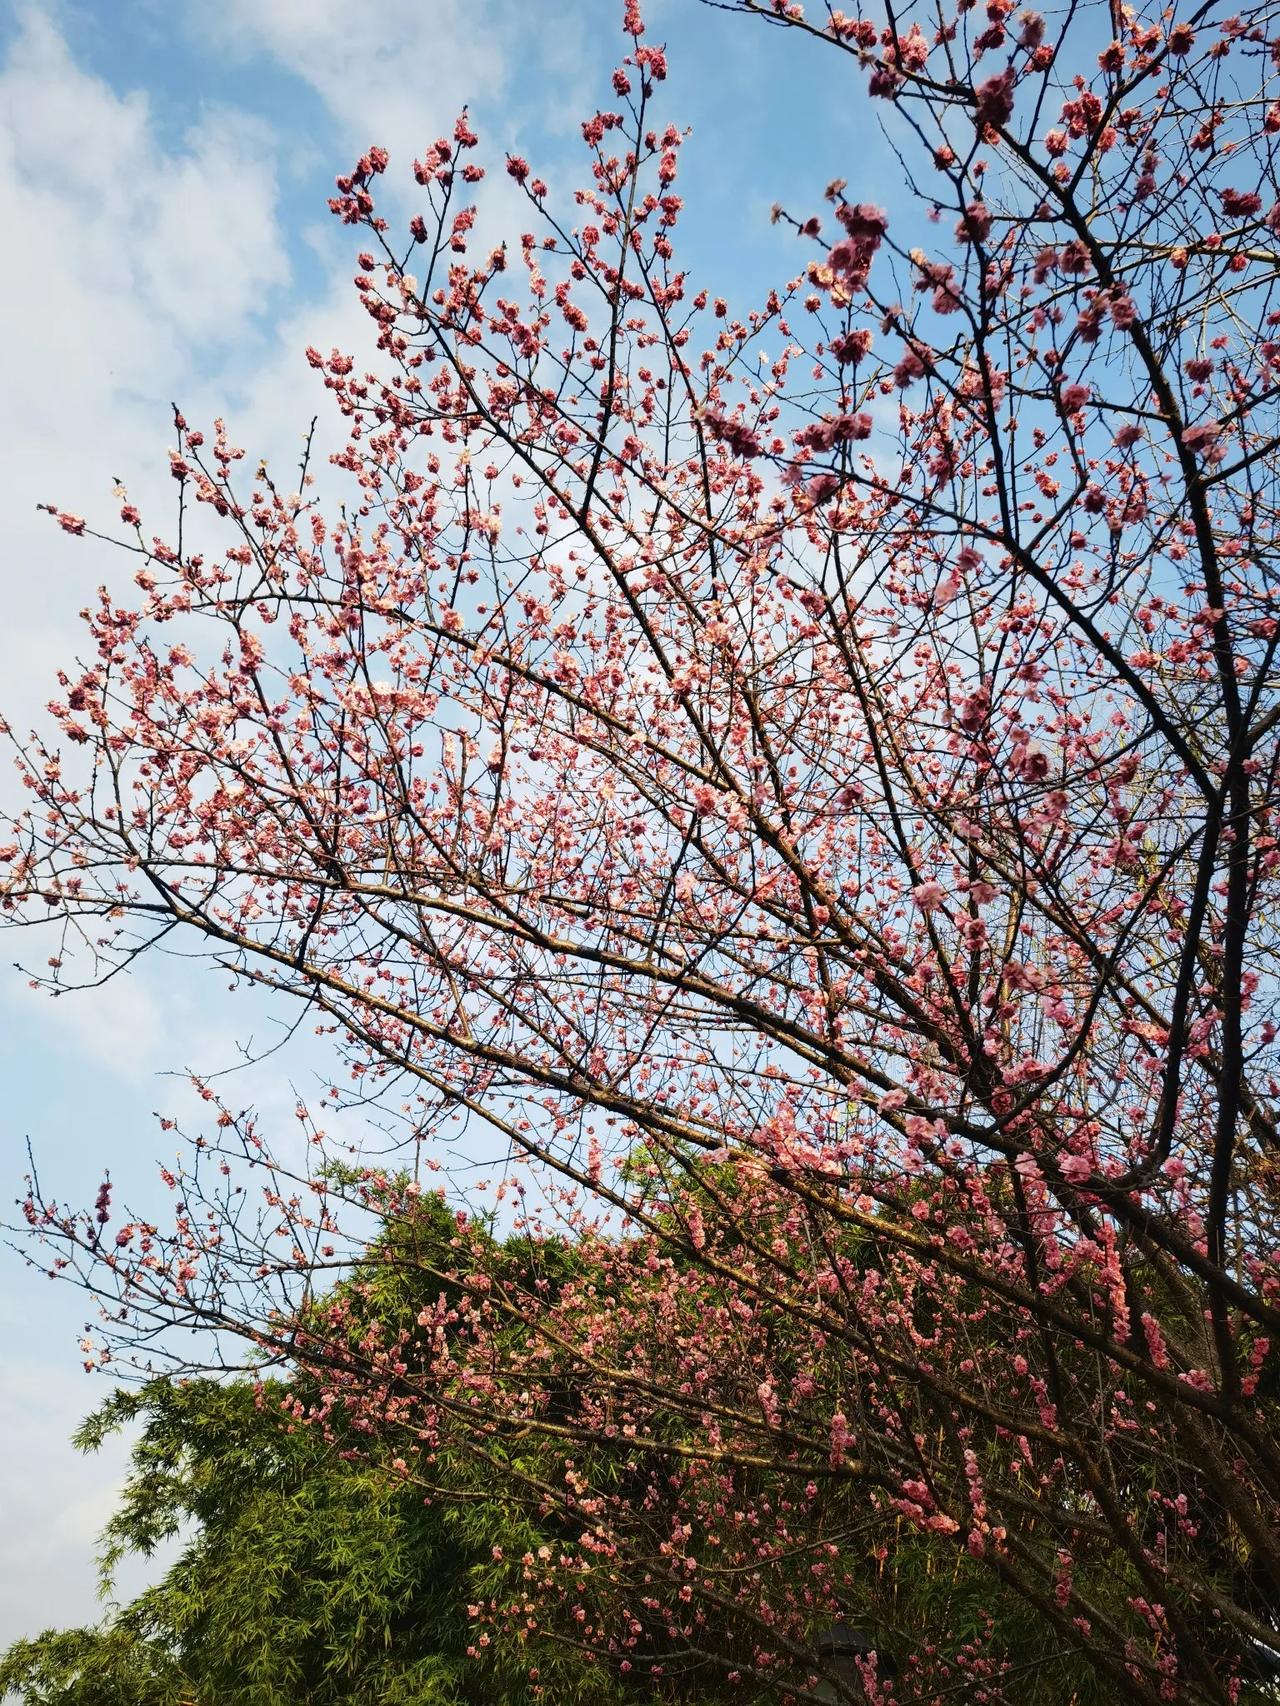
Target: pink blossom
(852, 347)
(1205, 440)
(1030, 762)
(653, 60)
(974, 710)
(1240, 204)
(994, 99)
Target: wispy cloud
(395, 75)
(130, 267)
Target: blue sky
(164, 169)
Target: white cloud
(398, 72)
(393, 73)
(120, 1028)
(130, 268)
(55, 1501)
(137, 239)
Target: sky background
(164, 171)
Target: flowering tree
(816, 810)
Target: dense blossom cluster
(817, 811)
